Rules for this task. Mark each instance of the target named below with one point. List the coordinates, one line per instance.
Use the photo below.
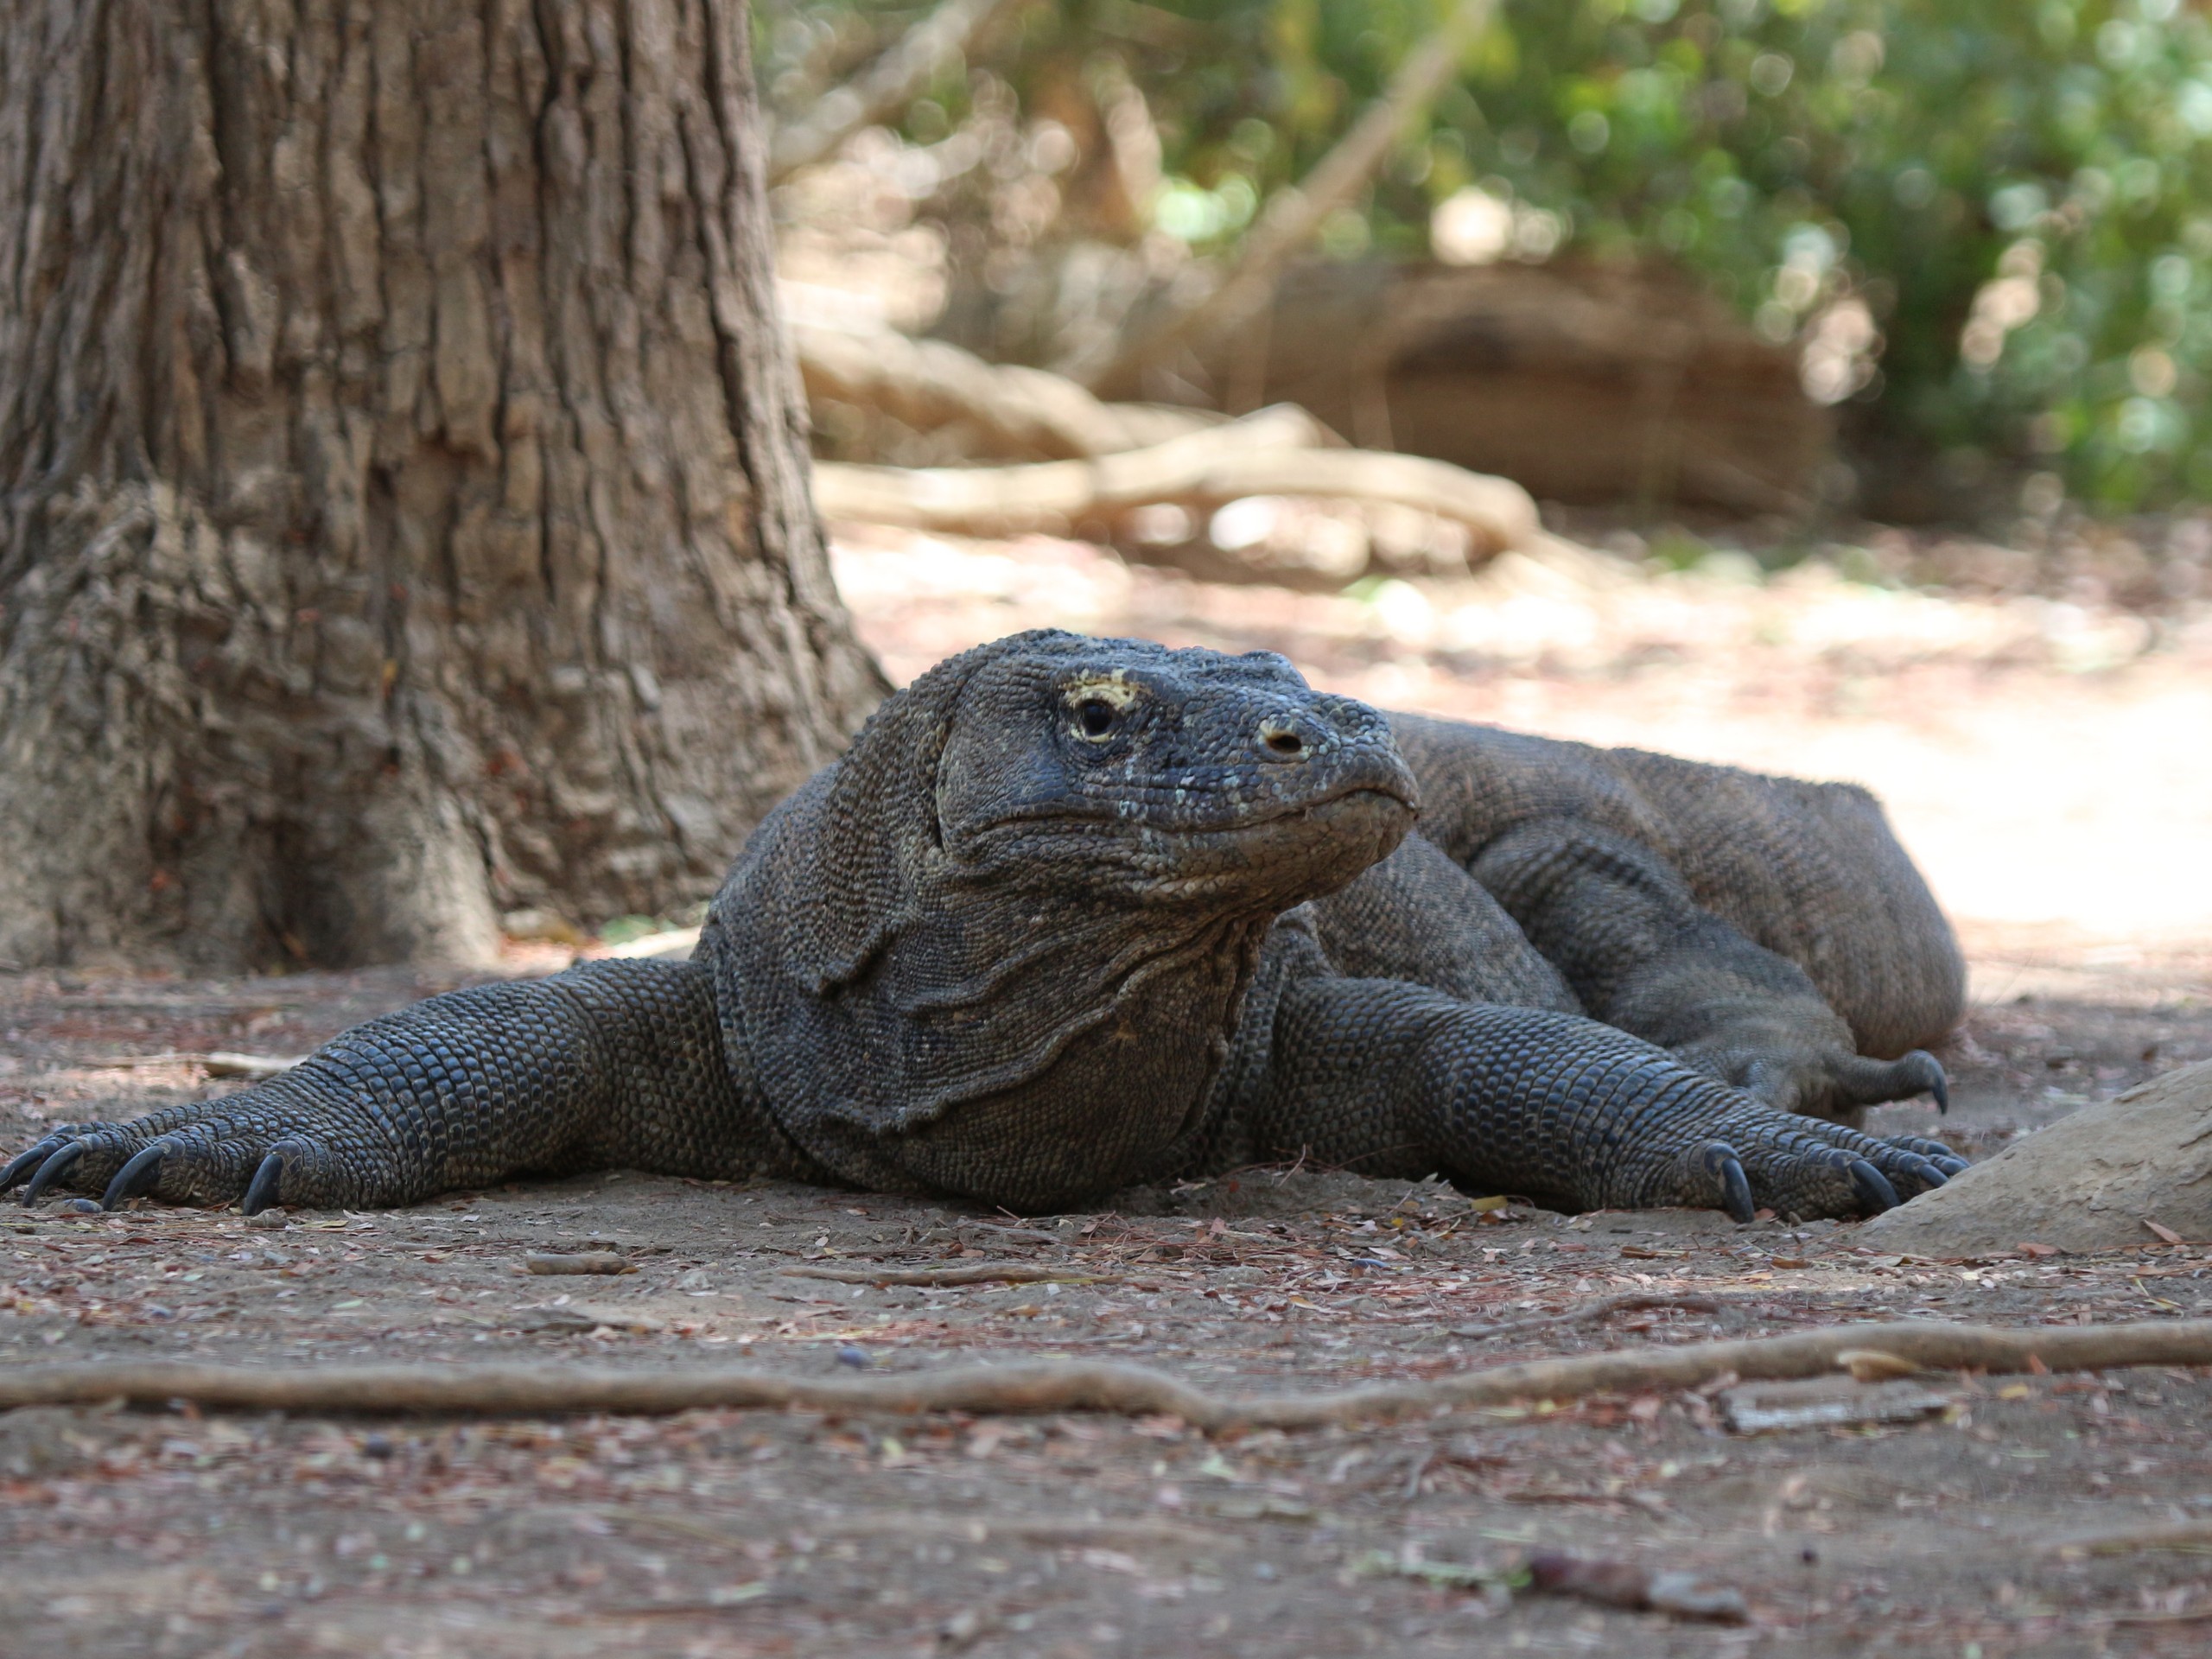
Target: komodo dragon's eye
(1094, 717)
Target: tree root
(218, 1063)
(1079, 1385)
(1015, 413)
(1273, 451)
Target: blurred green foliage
(2020, 192)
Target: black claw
(1939, 1156)
(1936, 1082)
(135, 1177)
(1875, 1192)
(21, 1166)
(64, 1155)
(1736, 1191)
(261, 1191)
(1735, 1187)
(1930, 1177)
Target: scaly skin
(1076, 913)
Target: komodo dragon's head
(999, 947)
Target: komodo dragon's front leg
(610, 1063)
(1394, 1078)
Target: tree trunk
(403, 510)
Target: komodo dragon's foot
(203, 1156)
(1841, 1086)
(1802, 1168)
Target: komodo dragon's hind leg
(610, 1064)
(1623, 931)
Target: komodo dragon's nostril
(1281, 741)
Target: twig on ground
(2165, 1535)
(1036, 1233)
(1634, 1585)
(1124, 1532)
(581, 1261)
(1082, 1385)
(980, 1272)
(1591, 1313)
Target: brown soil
(132, 1532)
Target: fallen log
(1039, 1386)
(1275, 452)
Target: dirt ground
(2045, 767)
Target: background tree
(403, 499)
(2009, 200)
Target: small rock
(2091, 1181)
(269, 1220)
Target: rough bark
(403, 508)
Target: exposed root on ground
(1275, 451)
(1079, 1385)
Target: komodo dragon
(1076, 913)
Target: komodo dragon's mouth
(1365, 792)
(1294, 851)
(1372, 792)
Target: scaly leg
(1393, 1078)
(609, 1064)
